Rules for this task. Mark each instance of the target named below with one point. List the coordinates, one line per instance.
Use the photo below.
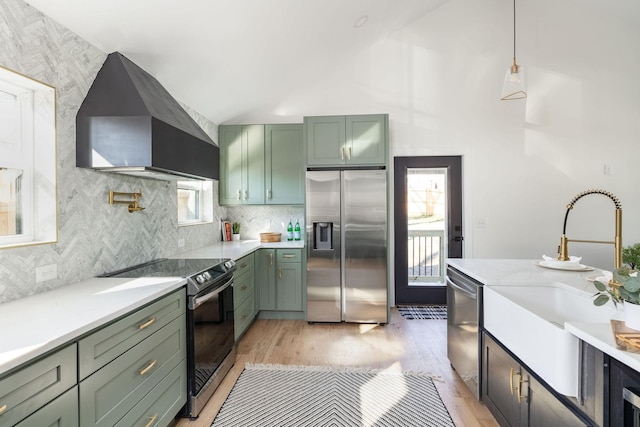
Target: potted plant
(235, 228)
(628, 292)
(631, 255)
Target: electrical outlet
(46, 272)
(180, 243)
(481, 222)
(607, 169)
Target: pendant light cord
(514, 30)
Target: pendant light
(514, 82)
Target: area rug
(423, 311)
(285, 395)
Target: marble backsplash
(259, 219)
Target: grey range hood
(128, 123)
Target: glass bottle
(289, 231)
(296, 231)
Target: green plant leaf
(599, 286)
(632, 284)
(601, 300)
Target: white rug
(283, 395)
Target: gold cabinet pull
(349, 156)
(342, 153)
(243, 288)
(288, 256)
(147, 323)
(239, 194)
(3, 408)
(243, 265)
(520, 396)
(512, 373)
(268, 194)
(148, 367)
(271, 259)
(279, 272)
(152, 420)
(246, 194)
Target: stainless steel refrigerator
(346, 225)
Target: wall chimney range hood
(128, 123)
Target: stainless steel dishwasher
(464, 327)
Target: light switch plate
(46, 272)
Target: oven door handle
(199, 301)
(459, 288)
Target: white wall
(440, 79)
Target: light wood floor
(403, 345)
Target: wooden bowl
(270, 237)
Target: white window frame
(204, 191)
(37, 159)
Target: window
(195, 202)
(27, 161)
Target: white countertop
(34, 325)
(496, 272)
(238, 249)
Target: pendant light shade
(514, 86)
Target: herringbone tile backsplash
(93, 236)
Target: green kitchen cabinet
(242, 159)
(244, 295)
(280, 285)
(284, 166)
(34, 386)
(356, 140)
(62, 412)
(266, 279)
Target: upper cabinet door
(366, 140)
(241, 164)
(359, 140)
(284, 165)
(230, 141)
(253, 164)
(325, 140)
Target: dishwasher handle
(467, 292)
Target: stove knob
(199, 278)
(229, 264)
(206, 275)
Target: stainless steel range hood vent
(128, 123)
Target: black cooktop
(172, 268)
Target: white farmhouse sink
(529, 321)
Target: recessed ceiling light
(361, 21)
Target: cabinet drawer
(101, 347)
(160, 406)
(116, 388)
(244, 264)
(243, 316)
(62, 412)
(289, 255)
(242, 287)
(33, 386)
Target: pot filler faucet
(563, 249)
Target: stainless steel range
(210, 334)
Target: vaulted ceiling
(226, 57)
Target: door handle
(520, 396)
(512, 373)
(147, 323)
(458, 239)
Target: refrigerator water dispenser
(323, 235)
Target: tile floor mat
(423, 311)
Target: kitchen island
(541, 332)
